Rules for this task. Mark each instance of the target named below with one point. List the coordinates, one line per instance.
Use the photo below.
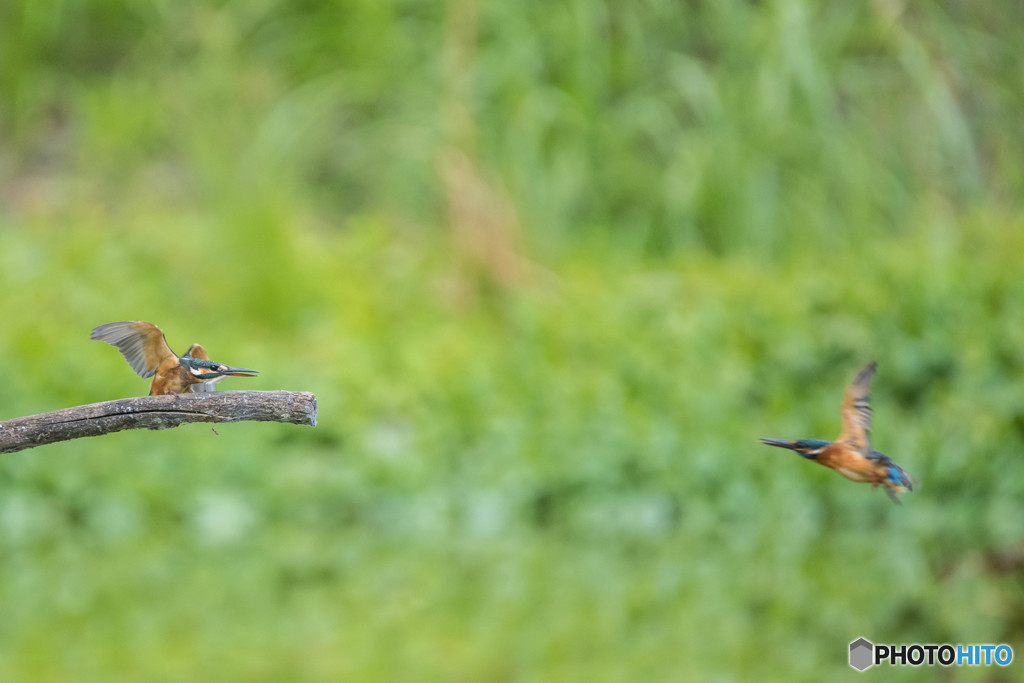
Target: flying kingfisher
(145, 348)
(851, 454)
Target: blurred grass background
(551, 270)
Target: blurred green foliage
(551, 270)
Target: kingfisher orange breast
(848, 462)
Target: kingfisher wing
(197, 351)
(142, 344)
(857, 409)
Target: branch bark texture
(156, 412)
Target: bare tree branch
(156, 412)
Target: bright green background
(551, 270)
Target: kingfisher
(851, 454)
(145, 348)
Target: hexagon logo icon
(861, 651)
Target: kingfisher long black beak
(206, 370)
(791, 445)
(238, 372)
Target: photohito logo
(864, 654)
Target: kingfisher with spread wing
(851, 454)
(144, 347)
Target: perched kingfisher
(145, 348)
(851, 454)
